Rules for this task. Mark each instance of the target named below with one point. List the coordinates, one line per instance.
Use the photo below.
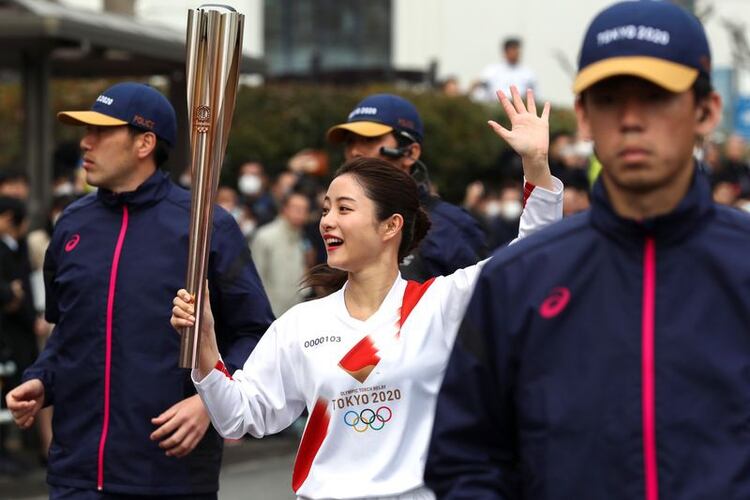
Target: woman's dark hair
(393, 191)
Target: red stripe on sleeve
(223, 369)
(527, 189)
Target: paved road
(265, 479)
(253, 469)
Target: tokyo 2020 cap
(379, 114)
(129, 103)
(651, 39)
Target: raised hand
(528, 136)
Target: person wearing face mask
(502, 213)
(366, 360)
(252, 186)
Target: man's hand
(181, 427)
(529, 135)
(16, 288)
(25, 401)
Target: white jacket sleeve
(260, 399)
(543, 207)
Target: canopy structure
(45, 40)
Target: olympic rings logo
(368, 419)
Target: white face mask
(249, 184)
(64, 189)
(247, 227)
(511, 210)
(492, 209)
(185, 180)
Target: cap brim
(669, 75)
(338, 133)
(88, 118)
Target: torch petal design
(214, 49)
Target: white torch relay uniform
(370, 386)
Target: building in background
(438, 38)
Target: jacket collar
(693, 211)
(150, 192)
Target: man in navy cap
(387, 126)
(126, 418)
(608, 356)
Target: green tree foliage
(273, 122)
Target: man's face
(513, 54)
(15, 188)
(357, 146)
(109, 156)
(643, 134)
(297, 210)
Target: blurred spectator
(38, 241)
(735, 165)
(450, 87)
(280, 253)
(186, 178)
(66, 165)
(309, 162)
(501, 75)
(228, 198)
(501, 211)
(252, 184)
(14, 184)
(559, 143)
(17, 315)
(576, 154)
(576, 197)
(282, 186)
(712, 156)
(473, 198)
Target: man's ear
(412, 155)
(584, 127)
(708, 114)
(145, 144)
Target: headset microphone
(394, 152)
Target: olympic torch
(214, 49)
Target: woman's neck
(366, 289)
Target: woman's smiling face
(349, 225)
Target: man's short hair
(16, 207)
(511, 42)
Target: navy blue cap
(129, 103)
(651, 39)
(379, 114)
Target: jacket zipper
(108, 348)
(648, 397)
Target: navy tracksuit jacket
(604, 358)
(112, 269)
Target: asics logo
(555, 303)
(72, 242)
(368, 419)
